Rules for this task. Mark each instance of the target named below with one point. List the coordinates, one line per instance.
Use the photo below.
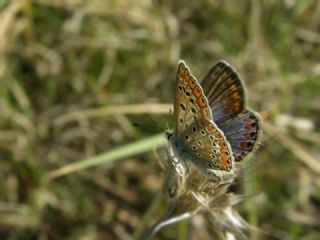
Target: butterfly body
(207, 117)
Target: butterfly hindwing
(225, 92)
(242, 133)
(207, 147)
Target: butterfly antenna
(167, 127)
(171, 116)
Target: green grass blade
(112, 155)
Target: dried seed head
(189, 192)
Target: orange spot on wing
(201, 102)
(225, 163)
(217, 136)
(197, 92)
(233, 87)
(205, 113)
(251, 126)
(247, 135)
(236, 95)
(210, 128)
(236, 106)
(191, 83)
(229, 81)
(245, 144)
(222, 144)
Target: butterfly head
(169, 135)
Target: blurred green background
(84, 78)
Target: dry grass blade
(113, 110)
(294, 147)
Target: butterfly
(213, 128)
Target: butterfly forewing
(227, 99)
(195, 134)
(190, 102)
(225, 92)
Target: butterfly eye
(187, 137)
(193, 110)
(210, 165)
(194, 148)
(169, 135)
(203, 132)
(211, 137)
(194, 129)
